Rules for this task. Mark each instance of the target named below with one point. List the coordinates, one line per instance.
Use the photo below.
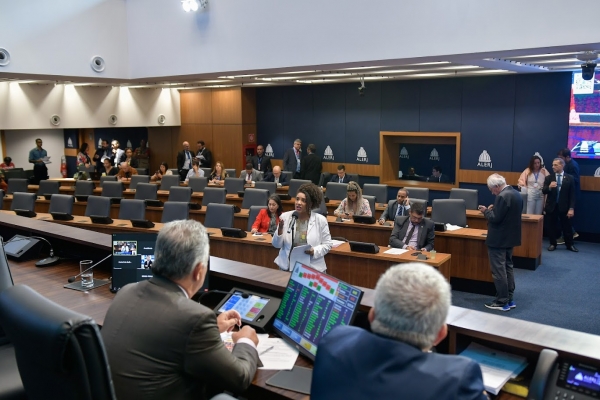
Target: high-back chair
(234, 185)
(132, 209)
(137, 179)
(371, 200)
(180, 193)
(419, 193)
(255, 197)
(114, 190)
(294, 185)
(84, 188)
(48, 187)
(98, 206)
(175, 210)
(337, 191)
(168, 181)
(17, 185)
(213, 195)
(61, 203)
(197, 184)
(23, 201)
(379, 191)
(449, 211)
(146, 191)
(270, 186)
(107, 178)
(470, 196)
(254, 211)
(219, 216)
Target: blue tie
(558, 184)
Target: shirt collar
(183, 290)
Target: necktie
(410, 233)
(558, 184)
(400, 210)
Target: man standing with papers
(504, 233)
(408, 318)
(39, 157)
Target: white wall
(19, 143)
(26, 106)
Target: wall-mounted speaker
(55, 120)
(112, 119)
(162, 119)
(97, 63)
(4, 57)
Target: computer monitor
(312, 305)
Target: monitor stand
(298, 379)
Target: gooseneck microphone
(51, 260)
(243, 294)
(290, 230)
(73, 278)
(292, 221)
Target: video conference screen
(312, 305)
(133, 255)
(584, 117)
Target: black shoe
(497, 306)
(552, 247)
(573, 249)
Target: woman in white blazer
(310, 228)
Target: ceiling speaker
(4, 57)
(97, 63)
(55, 120)
(112, 119)
(162, 119)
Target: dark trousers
(40, 173)
(183, 174)
(501, 264)
(555, 219)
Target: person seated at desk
(309, 228)
(397, 207)
(341, 176)
(421, 234)
(163, 345)
(353, 204)
(3, 184)
(7, 164)
(267, 219)
(218, 175)
(163, 169)
(250, 175)
(395, 361)
(109, 170)
(277, 177)
(124, 175)
(129, 159)
(437, 176)
(195, 172)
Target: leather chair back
(231, 172)
(180, 193)
(419, 193)
(214, 195)
(294, 185)
(197, 184)
(325, 177)
(207, 172)
(98, 205)
(379, 191)
(23, 201)
(146, 191)
(107, 178)
(168, 181)
(270, 186)
(113, 189)
(17, 185)
(48, 187)
(62, 203)
(137, 179)
(84, 188)
(175, 210)
(219, 215)
(234, 185)
(254, 211)
(336, 191)
(470, 196)
(449, 211)
(371, 200)
(132, 209)
(255, 197)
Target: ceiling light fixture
(190, 5)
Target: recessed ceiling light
(355, 68)
(544, 55)
(432, 63)
(397, 71)
(239, 76)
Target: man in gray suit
(163, 345)
(250, 174)
(292, 159)
(504, 233)
(398, 207)
(413, 232)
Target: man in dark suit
(413, 232)
(250, 174)
(437, 176)
(184, 161)
(118, 155)
(160, 343)
(311, 165)
(560, 204)
(504, 233)
(392, 210)
(277, 177)
(203, 155)
(394, 362)
(341, 176)
(260, 162)
(101, 154)
(292, 159)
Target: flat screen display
(312, 305)
(580, 378)
(249, 307)
(584, 117)
(133, 255)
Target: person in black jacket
(560, 204)
(310, 167)
(504, 233)
(260, 161)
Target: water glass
(87, 278)
(432, 254)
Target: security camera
(587, 71)
(362, 88)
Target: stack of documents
(497, 367)
(450, 227)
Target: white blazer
(318, 237)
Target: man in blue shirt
(36, 157)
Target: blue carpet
(562, 292)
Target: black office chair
(107, 178)
(449, 211)
(255, 197)
(15, 173)
(61, 203)
(146, 191)
(132, 209)
(419, 193)
(234, 185)
(322, 208)
(270, 186)
(168, 181)
(175, 210)
(1, 199)
(231, 172)
(98, 205)
(197, 184)
(180, 193)
(137, 179)
(48, 188)
(253, 213)
(337, 191)
(294, 185)
(470, 196)
(219, 216)
(11, 386)
(371, 200)
(59, 352)
(379, 191)
(213, 195)
(325, 178)
(17, 185)
(23, 201)
(83, 189)
(114, 190)
(207, 172)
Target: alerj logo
(269, 151)
(404, 153)
(434, 155)
(485, 160)
(362, 155)
(328, 154)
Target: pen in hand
(266, 350)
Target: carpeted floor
(564, 291)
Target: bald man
(126, 172)
(277, 177)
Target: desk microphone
(243, 294)
(51, 260)
(73, 278)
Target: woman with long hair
(531, 181)
(218, 174)
(303, 226)
(163, 169)
(83, 157)
(267, 219)
(354, 203)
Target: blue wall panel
(269, 120)
(440, 105)
(298, 116)
(400, 106)
(487, 121)
(363, 122)
(123, 135)
(330, 121)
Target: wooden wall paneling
(162, 140)
(248, 105)
(196, 106)
(227, 145)
(361, 169)
(480, 176)
(590, 183)
(226, 106)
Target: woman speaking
(303, 226)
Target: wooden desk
(501, 332)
